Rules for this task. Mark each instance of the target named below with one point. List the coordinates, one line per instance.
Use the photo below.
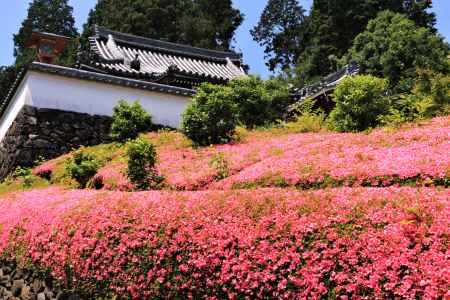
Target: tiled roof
(327, 83)
(158, 59)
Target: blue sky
(12, 12)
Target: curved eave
(109, 79)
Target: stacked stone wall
(18, 283)
(47, 133)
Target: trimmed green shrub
(141, 164)
(360, 103)
(211, 117)
(82, 167)
(129, 120)
(253, 101)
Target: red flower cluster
(357, 243)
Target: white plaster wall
(22, 96)
(57, 92)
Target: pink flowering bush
(415, 154)
(358, 232)
(358, 243)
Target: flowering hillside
(266, 243)
(413, 154)
(277, 215)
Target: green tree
(253, 101)
(201, 23)
(53, 16)
(142, 158)
(393, 47)
(280, 31)
(332, 26)
(82, 167)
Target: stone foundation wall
(21, 284)
(48, 133)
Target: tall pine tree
(201, 23)
(280, 31)
(52, 16)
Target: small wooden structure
(48, 45)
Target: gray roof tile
(116, 50)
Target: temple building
(51, 107)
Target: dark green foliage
(419, 12)
(279, 92)
(259, 102)
(201, 23)
(360, 102)
(129, 120)
(333, 24)
(53, 16)
(393, 47)
(280, 31)
(252, 101)
(141, 164)
(82, 167)
(211, 117)
(7, 77)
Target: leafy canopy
(332, 25)
(253, 101)
(393, 47)
(280, 31)
(201, 23)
